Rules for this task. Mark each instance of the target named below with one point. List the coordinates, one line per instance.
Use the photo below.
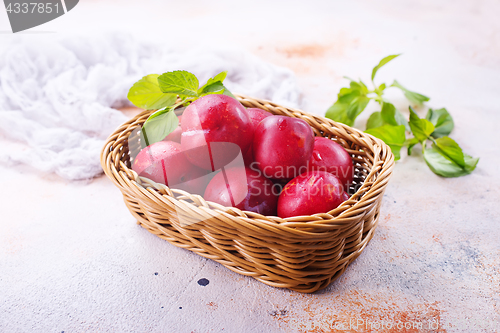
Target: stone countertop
(73, 259)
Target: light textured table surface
(73, 259)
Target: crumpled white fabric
(57, 96)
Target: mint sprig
(161, 92)
(441, 153)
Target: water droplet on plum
(317, 156)
(281, 124)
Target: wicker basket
(300, 253)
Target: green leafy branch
(441, 153)
(165, 93)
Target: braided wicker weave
(300, 253)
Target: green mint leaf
(158, 126)
(346, 95)
(421, 128)
(218, 78)
(442, 165)
(382, 63)
(179, 82)
(470, 163)
(357, 106)
(413, 97)
(401, 120)
(338, 111)
(350, 103)
(388, 115)
(393, 136)
(213, 88)
(392, 116)
(359, 86)
(375, 121)
(410, 143)
(146, 94)
(442, 121)
(452, 150)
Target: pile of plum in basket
(250, 159)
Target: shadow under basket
(304, 253)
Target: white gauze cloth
(57, 96)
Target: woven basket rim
(127, 178)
